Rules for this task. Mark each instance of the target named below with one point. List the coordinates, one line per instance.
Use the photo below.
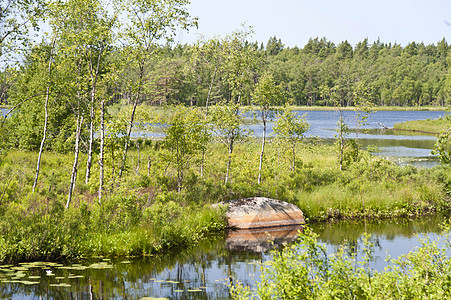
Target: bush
(305, 270)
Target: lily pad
(101, 265)
(30, 282)
(6, 266)
(60, 285)
(170, 281)
(19, 268)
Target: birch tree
(267, 96)
(290, 127)
(227, 122)
(17, 18)
(49, 84)
(184, 139)
(150, 22)
(85, 32)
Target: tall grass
(434, 126)
(144, 212)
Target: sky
(295, 21)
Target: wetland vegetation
(76, 183)
(149, 210)
(435, 126)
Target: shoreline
(376, 108)
(428, 126)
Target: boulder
(260, 212)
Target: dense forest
(192, 74)
(388, 74)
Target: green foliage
(267, 95)
(147, 212)
(442, 147)
(227, 122)
(186, 136)
(304, 269)
(17, 20)
(290, 128)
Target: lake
(201, 273)
(399, 146)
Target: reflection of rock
(261, 240)
(259, 212)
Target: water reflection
(261, 239)
(392, 237)
(206, 271)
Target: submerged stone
(260, 212)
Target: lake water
(400, 146)
(202, 273)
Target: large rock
(259, 212)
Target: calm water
(401, 147)
(201, 273)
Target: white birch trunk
(73, 177)
(46, 112)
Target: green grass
(434, 126)
(144, 213)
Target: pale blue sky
(295, 21)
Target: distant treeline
(387, 74)
(319, 74)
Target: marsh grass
(434, 126)
(145, 213)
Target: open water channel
(207, 271)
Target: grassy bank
(144, 212)
(434, 126)
(376, 108)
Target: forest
(194, 74)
